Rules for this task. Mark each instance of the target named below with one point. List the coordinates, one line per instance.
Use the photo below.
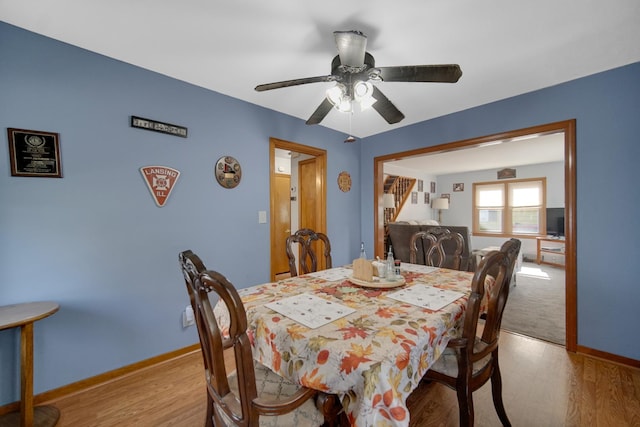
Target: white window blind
(509, 207)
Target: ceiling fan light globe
(362, 90)
(345, 106)
(366, 103)
(336, 94)
(351, 47)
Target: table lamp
(388, 201)
(440, 204)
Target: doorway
(304, 201)
(567, 128)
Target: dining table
(368, 345)
(23, 316)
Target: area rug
(536, 305)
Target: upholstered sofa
(400, 235)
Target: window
(508, 208)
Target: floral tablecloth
(372, 358)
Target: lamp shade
(388, 200)
(440, 203)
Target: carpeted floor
(536, 305)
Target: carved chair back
(308, 241)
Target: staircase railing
(400, 187)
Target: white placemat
(310, 310)
(333, 274)
(417, 268)
(426, 296)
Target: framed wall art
(426, 198)
(433, 187)
(34, 153)
(506, 173)
(414, 197)
(458, 186)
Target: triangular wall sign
(160, 180)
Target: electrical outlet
(187, 317)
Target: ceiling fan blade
(295, 82)
(320, 113)
(447, 73)
(386, 109)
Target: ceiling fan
(353, 70)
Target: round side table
(24, 316)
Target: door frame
(321, 180)
(568, 127)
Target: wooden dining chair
(469, 361)
(436, 255)
(417, 244)
(234, 399)
(307, 239)
(439, 248)
(192, 266)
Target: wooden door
(308, 202)
(282, 222)
(317, 188)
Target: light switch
(262, 217)
(187, 317)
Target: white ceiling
(493, 155)
(504, 47)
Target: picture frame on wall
(426, 198)
(420, 185)
(433, 187)
(414, 197)
(34, 153)
(506, 173)
(458, 186)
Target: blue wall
(95, 242)
(606, 107)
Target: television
(555, 222)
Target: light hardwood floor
(543, 386)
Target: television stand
(555, 246)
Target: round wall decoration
(344, 181)
(228, 172)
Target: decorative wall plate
(344, 181)
(228, 172)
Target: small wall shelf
(548, 245)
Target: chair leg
(209, 421)
(496, 390)
(331, 408)
(465, 405)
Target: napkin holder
(363, 270)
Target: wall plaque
(344, 181)
(160, 180)
(34, 153)
(228, 172)
(139, 122)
